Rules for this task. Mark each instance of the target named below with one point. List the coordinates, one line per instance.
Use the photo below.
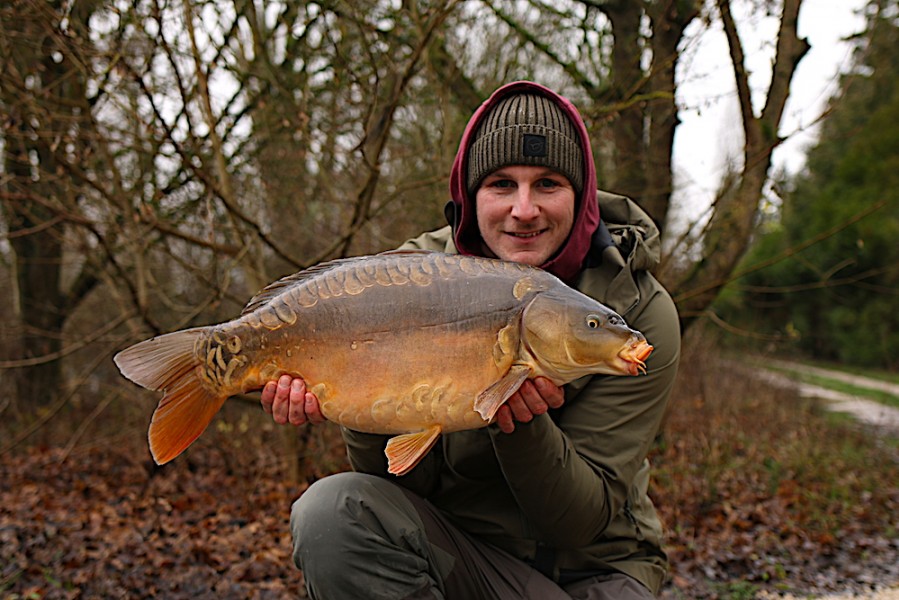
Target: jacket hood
(569, 259)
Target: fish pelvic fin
(489, 401)
(405, 451)
(169, 363)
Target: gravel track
(885, 420)
(867, 411)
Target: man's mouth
(526, 234)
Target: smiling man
(524, 213)
(551, 502)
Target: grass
(836, 385)
(847, 388)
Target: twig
(783, 255)
(46, 358)
(84, 425)
(742, 332)
(63, 400)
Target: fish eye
(593, 322)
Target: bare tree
(46, 128)
(736, 208)
(164, 160)
(146, 150)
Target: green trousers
(359, 536)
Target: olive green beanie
(525, 129)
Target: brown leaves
(759, 489)
(99, 525)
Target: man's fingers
(313, 409)
(268, 396)
(549, 392)
(531, 397)
(281, 402)
(504, 419)
(296, 402)
(519, 407)
(534, 397)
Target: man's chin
(525, 257)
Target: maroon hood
(567, 262)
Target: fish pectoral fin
(405, 451)
(489, 401)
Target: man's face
(525, 213)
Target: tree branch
(570, 68)
(375, 140)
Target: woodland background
(164, 160)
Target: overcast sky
(711, 134)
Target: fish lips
(635, 356)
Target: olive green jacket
(567, 491)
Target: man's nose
(524, 207)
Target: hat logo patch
(534, 145)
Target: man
(551, 502)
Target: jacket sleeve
(571, 474)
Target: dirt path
(856, 380)
(867, 411)
(886, 418)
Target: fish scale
(411, 344)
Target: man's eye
(502, 183)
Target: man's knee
(333, 512)
(367, 525)
(319, 505)
(321, 513)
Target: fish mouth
(635, 356)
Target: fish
(409, 343)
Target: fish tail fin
(405, 451)
(170, 363)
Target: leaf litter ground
(759, 490)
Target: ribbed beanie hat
(525, 129)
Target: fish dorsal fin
(273, 290)
(489, 401)
(405, 451)
(277, 288)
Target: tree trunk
(735, 211)
(51, 128)
(669, 20)
(33, 92)
(627, 174)
(38, 250)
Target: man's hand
(534, 397)
(288, 401)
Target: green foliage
(737, 590)
(833, 283)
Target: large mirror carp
(411, 343)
